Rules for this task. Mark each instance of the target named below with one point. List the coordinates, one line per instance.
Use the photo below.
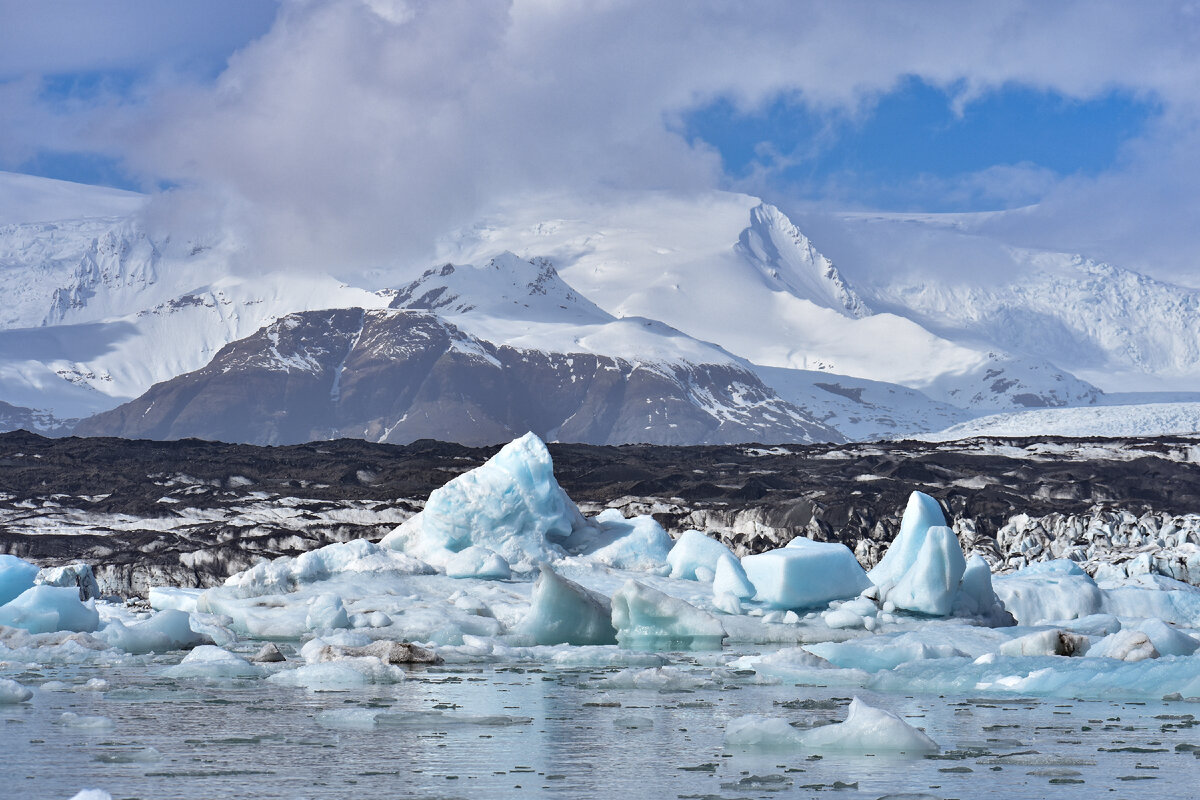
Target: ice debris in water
(657, 678)
(342, 674)
(512, 505)
(212, 663)
(92, 794)
(563, 612)
(805, 574)
(731, 578)
(867, 729)
(647, 618)
(44, 609)
(79, 575)
(166, 630)
(326, 611)
(12, 692)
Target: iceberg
(1048, 592)
(639, 544)
(478, 562)
(930, 583)
(921, 513)
(512, 505)
(563, 612)
(12, 692)
(647, 618)
(166, 630)
(16, 575)
(694, 551)
(209, 662)
(805, 574)
(730, 578)
(44, 609)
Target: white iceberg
(805, 574)
(694, 551)
(44, 609)
(563, 612)
(511, 505)
(646, 617)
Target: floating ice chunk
(163, 598)
(78, 575)
(286, 574)
(43, 609)
(931, 581)
(695, 550)
(868, 729)
(843, 618)
(1168, 641)
(1053, 642)
(921, 513)
(657, 678)
(12, 692)
(646, 617)
(478, 562)
(787, 658)
(16, 576)
(563, 612)
(166, 630)
(386, 651)
(92, 794)
(633, 722)
(511, 504)
(755, 732)
(326, 611)
(1124, 645)
(639, 544)
(211, 662)
(348, 718)
(1049, 591)
(269, 653)
(73, 720)
(342, 674)
(730, 578)
(977, 598)
(805, 574)
(606, 657)
(875, 653)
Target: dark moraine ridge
(150, 512)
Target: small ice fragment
(326, 611)
(73, 720)
(268, 654)
(633, 722)
(1124, 645)
(1053, 642)
(166, 630)
(92, 794)
(754, 732)
(868, 729)
(12, 692)
(211, 662)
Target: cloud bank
(354, 132)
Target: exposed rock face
(402, 375)
(14, 418)
(190, 512)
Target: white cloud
(355, 131)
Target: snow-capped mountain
(918, 326)
(400, 375)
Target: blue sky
(906, 149)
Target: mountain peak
(506, 286)
(789, 262)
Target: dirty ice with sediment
(500, 641)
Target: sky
(356, 131)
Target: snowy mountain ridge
(99, 310)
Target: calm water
(254, 739)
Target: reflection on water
(528, 732)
